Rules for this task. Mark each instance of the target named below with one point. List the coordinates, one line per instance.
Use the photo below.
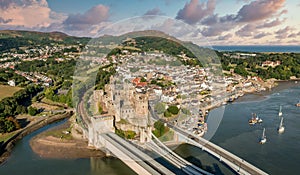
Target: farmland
(7, 91)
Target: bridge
(161, 149)
(142, 163)
(239, 165)
(137, 160)
(132, 156)
(236, 163)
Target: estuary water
(24, 161)
(280, 155)
(259, 48)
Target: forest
(290, 65)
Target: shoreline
(280, 85)
(7, 147)
(57, 143)
(51, 147)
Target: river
(24, 161)
(280, 155)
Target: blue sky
(219, 21)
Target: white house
(11, 83)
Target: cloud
(294, 35)
(95, 15)
(273, 23)
(246, 31)
(210, 20)
(257, 14)
(155, 11)
(283, 33)
(216, 29)
(225, 37)
(5, 3)
(26, 13)
(5, 21)
(194, 11)
(261, 35)
(259, 9)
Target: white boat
(281, 127)
(255, 119)
(263, 138)
(280, 113)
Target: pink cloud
(294, 35)
(225, 37)
(273, 23)
(283, 33)
(259, 9)
(246, 31)
(27, 13)
(261, 35)
(194, 11)
(95, 15)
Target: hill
(14, 39)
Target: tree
(143, 79)
(160, 108)
(185, 111)
(32, 111)
(160, 129)
(167, 114)
(173, 110)
(21, 109)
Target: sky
(221, 22)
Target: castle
(128, 107)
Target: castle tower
(141, 104)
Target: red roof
(142, 84)
(136, 81)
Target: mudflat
(58, 144)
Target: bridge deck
(134, 155)
(236, 163)
(158, 147)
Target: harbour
(277, 156)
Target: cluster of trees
(32, 111)
(50, 67)
(149, 43)
(160, 108)
(160, 129)
(17, 104)
(8, 124)
(172, 110)
(125, 134)
(17, 39)
(103, 76)
(162, 83)
(6, 75)
(50, 93)
(290, 65)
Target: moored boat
(263, 138)
(281, 127)
(255, 119)
(280, 113)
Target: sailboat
(298, 104)
(281, 127)
(263, 138)
(280, 113)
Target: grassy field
(7, 91)
(6, 136)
